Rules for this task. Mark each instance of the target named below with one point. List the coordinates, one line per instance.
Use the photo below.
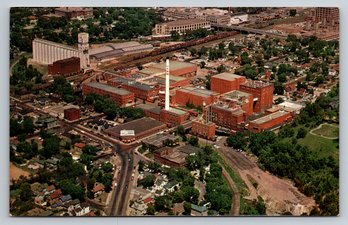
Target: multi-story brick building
(269, 121)
(243, 99)
(328, 16)
(65, 66)
(195, 96)
(262, 93)
(72, 114)
(143, 91)
(121, 96)
(173, 117)
(151, 111)
(180, 26)
(73, 12)
(204, 130)
(226, 82)
(230, 118)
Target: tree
(202, 64)
(292, 12)
(178, 197)
(237, 141)
(147, 181)
(278, 88)
(25, 192)
(193, 140)
(90, 150)
(76, 191)
(150, 210)
(301, 133)
(187, 208)
(190, 194)
(175, 35)
(50, 147)
(28, 125)
(221, 68)
(107, 167)
(193, 51)
(106, 180)
(245, 58)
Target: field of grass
(327, 130)
(322, 146)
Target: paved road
(119, 196)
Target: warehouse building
(177, 68)
(136, 129)
(112, 50)
(65, 66)
(143, 91)
(180, 26)
(226, 82)
(121, 96)
(262, 93)
(269, 121)
(195, 96)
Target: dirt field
(279, 194)
(16, 172)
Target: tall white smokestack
(166, 106)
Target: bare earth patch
(16, 172)
(279, 195)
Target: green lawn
(327, 130)
(323, 146)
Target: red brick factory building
(226, 82)
(143, 91)
(121, 96)
(269, 121)
(262, 93)
(65, 66)
(203, 129)
(173, 117)
(195, 96)
(72, 114)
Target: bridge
(249, 30)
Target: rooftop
(235, 110)
(198, 91)
(109, 88)
(173, 65)
(269, 117)
(189, 149)
(182, 22)
(73, 9)
(132, 83)
(176, 111)
(227, 76)
(140, 125)
(151, 108)
(256, 84)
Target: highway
(118, 202)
